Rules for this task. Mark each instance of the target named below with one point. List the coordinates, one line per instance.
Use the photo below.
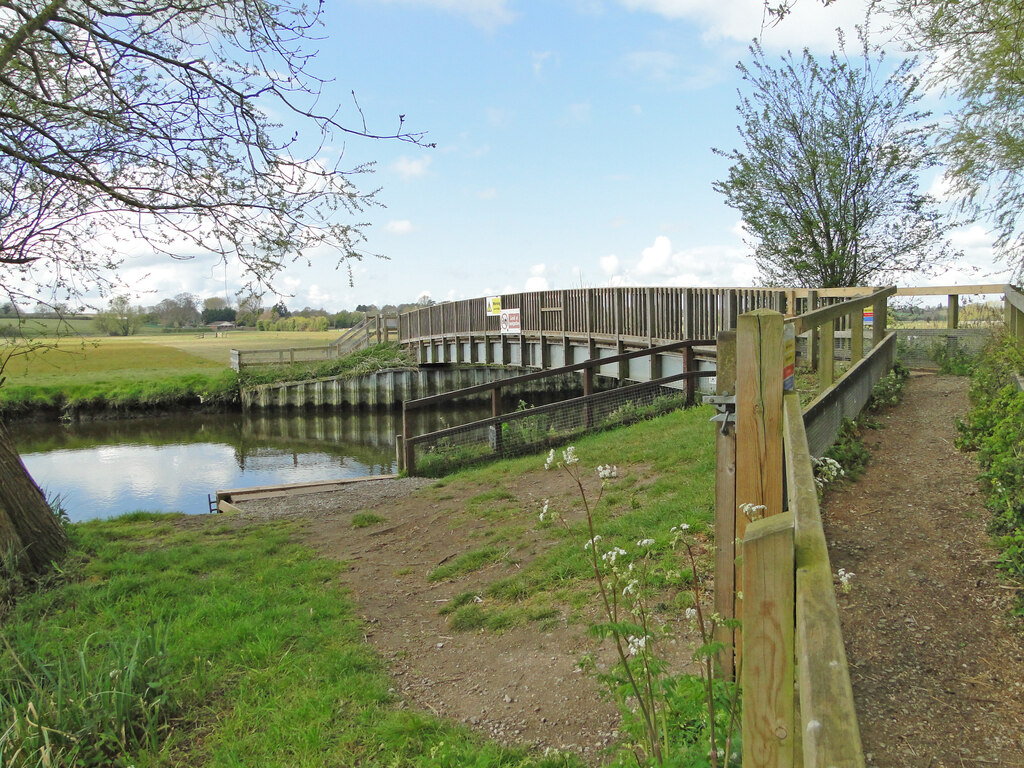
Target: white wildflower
(591, 542)
(681, 528)
(544, 510)
(636, 644)
(607, 471)
(611, 554)
(630, 589)
(845, 577)
(753, 511)
(569, 456)
(691, 614)
(645, 543)
(551, 459)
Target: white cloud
(484, 13)
(721, 264)
(400, 227)
(667, 69)
(411, 167)
(810, 23)
(537, 281)
(539, 59)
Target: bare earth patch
(936, 661)
(520, 686)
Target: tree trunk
(29, 531)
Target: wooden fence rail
(790, 623)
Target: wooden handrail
(596, 362)
(1015, 297)
(831, 735)
(817, 317)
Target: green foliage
(88, 708)
(995, 429)
(889, 389)
(827, 182)
(366, 519)
(952, 359)
(466, 563)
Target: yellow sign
(493, 305)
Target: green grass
(366, 519)
(251, 651)
(666, 478)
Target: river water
(171, 463)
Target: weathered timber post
(878, 329)
(812, 340)
(826, 356)
(409, 448)
(856, 335)
(953, 311)
(769, 735)
(725, 505)
(759, 470)
(495, 413)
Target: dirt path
(937, 667)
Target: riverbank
(145, 376)
(261, 651)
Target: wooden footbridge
(798, 707)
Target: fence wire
(934, 348)
(532, 429)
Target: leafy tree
(976, 55)
(150, 120)
(827, 181)
(280, 310)
(120, 319)
(215, 302)
(226, 314)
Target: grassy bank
(70, 377)
(995, 430)
(229, 644)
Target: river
(102, 469)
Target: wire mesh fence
(934, 348)
(531, 429)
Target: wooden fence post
(826, 357)
(878, 328)
(953, 311)
(759, 361)
(725, 506)
(856, 336)
(812, 340)
(768, 634)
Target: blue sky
(574, 147)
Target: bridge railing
(372, 329)
(638, 314)
(511, 434)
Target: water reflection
(103, 469)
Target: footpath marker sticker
(510, 321)
(869, 315)
(788, 358)
(493, 306)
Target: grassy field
(236, 646)
(135, 371)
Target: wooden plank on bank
(286, 489)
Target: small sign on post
(493, 306)
(869, 315)
(510, 321)
(788, 357)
